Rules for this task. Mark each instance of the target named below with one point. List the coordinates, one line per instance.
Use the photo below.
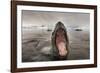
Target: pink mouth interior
(60, 43)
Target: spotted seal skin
(60, 42)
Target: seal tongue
(62, 49)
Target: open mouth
(61, 43)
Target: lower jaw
(63, 57)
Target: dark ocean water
(36, 45)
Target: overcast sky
(71, 20)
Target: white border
(53, 63)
